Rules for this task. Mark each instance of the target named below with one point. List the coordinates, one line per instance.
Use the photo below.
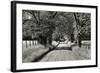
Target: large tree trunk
(77, 30)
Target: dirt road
(64, 54)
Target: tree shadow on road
(63, 48)
(40, 57)
(51, 49)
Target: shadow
(12, 72)
(40, 57)
(64, 48)
(51, 49)
(44, 54)
(9, 69)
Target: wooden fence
(29, 43)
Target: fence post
(26, 43)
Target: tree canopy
(59, 24)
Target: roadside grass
(31, 53)
(83, 52)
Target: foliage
(57, 24)
(83, 25)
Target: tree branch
(53, 16)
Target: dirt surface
(74, 53)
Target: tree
(43, 20)
(82, 27)
(53, 25)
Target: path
(62, 52)
(67, 54)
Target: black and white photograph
(47, 36)
(55, 36)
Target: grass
(31, 53)
(83, 52)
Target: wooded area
(46, 26)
